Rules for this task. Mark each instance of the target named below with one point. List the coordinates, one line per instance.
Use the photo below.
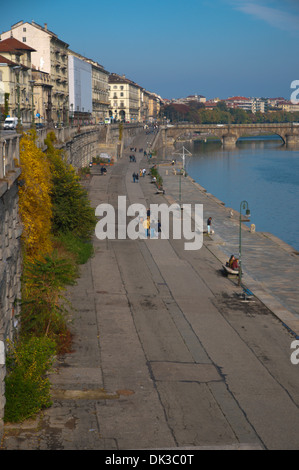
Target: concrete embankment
(166, 355)
(270, 266)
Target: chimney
(46, 26)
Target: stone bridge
(227, 133)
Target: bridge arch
(230, 133)
(282, 138)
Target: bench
(160, 190)
(230, 271)
(246, 294)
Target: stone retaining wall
(80, 147)
(10, 270)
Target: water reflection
(261, 170)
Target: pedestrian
(209, 224)
(146, 226)
(134, 177)
(154, 229)
(235, 265)
(231, 260)
(137, 176)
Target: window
(24, 30)
(24, 39)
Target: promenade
(166, 353)
(271, 267)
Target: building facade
(98, 87)
(124, 97)
(252, 105)
(42, 93)
(51, 56)
(100, 92)
(16, 78)
(80, 89)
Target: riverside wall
(10, 251)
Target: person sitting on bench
(235, 264)
(230, 261)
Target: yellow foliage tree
(34, 198)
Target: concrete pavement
(271, 267)
(166, 354)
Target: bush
(44, 309)
(80, 249)
(26, 386)
(70, 204)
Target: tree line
(197, 113)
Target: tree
(71, 207)
(34, 198)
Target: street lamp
(17, 70)
(32, 82)
(243, 205)
(182, 171)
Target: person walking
(209, 224)
(134, 177)
(146, 226)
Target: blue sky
(176, 48)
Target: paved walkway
(271, 267)
(166, 355)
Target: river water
(260, 170)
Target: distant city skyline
(175, 49)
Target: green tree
(71, 207)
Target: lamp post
(32, 82)
(243, 205)
(182, 172)
(17, 70)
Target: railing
(9, 154)
(10, 143)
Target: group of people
(151, 227)
(136, 175)
(233, 263)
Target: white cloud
(287, 19)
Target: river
(260, 170)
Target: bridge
(227, 133)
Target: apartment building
(154, 106)
(100, 92)
(42, 96)
(252, 105)
(51, 56)
(124, 97)
(15, 75)
(96, 86)
(289, 107)
(80, 85)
